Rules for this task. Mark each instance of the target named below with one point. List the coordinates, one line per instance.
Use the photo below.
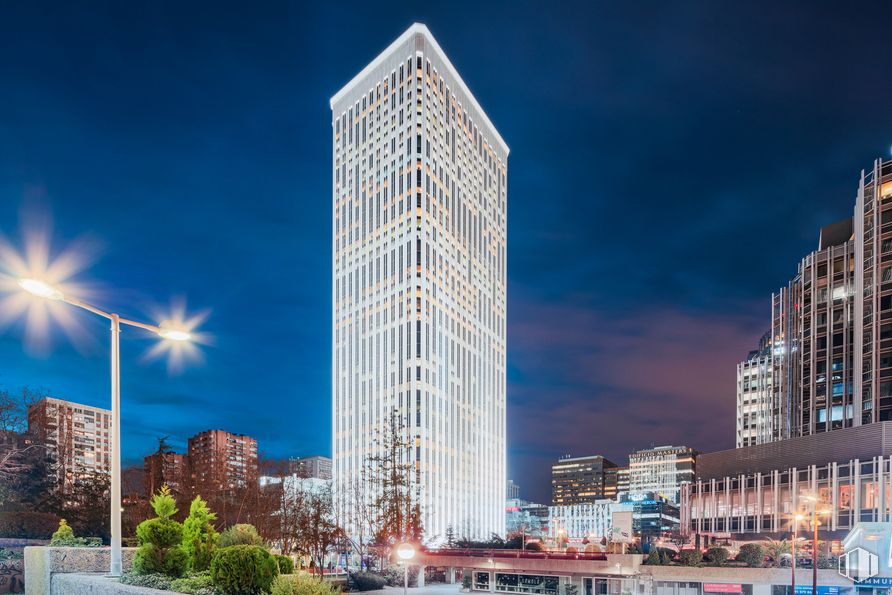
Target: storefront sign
(822, 590)
(722, 588)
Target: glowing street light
(41, 289)
(816, 521)
(797, 518)
(45, 290)
(405, 552)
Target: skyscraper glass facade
(419, 211)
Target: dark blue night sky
(670, 163)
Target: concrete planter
(44, 564)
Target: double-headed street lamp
(45, 290)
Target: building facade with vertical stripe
(419, 209)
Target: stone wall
(43, 564)
(12, 576)
(96, 584)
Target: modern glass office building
(419, 209)
(830, 351)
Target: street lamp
(816, 521)
(405, 552)
(796, 519)
(45, 290)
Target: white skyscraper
(419, 282)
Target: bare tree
(361, 521)
(678, 537)
(317, 530)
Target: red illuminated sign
(722, 588)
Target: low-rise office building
(527, 518)
(591, 521)
(575, 480)
(752, 492)
(661, 470)
(652, 515)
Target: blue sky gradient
(670, 163)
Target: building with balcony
(77, 438)
(166, 468)
(222, 461)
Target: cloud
(583, 382)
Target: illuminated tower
(419, 282)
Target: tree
(199, 535)
(389, 469)
(18, 451)
(86, 506)
(450, 537)
(777, 549)
(358, 517)
(678, 537)
(317, 528)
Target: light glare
(174, 334)
(40, 289)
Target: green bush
(466, 581)
(242, 534)
(690, 557)
(570, 589)
(665, 557)
(367, 581)
(302, 584)
(717, 555)
(63, 532)
(199, 535)
(653, 558)
(394, 576)
(161, 532)
(286, 564)
(151, 559)
(160, 550)
(64, 537)
(282, 585)
(305, 584)
(240, 569)
(752, 554)
(152, 581)
(28, 525)
(196, 583)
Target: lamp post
(405, 551)
(816, 521)
(796, 519)
(44, 290)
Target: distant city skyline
(666, 177)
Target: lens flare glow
(181, 339)
(40, 289)
(38, 271)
